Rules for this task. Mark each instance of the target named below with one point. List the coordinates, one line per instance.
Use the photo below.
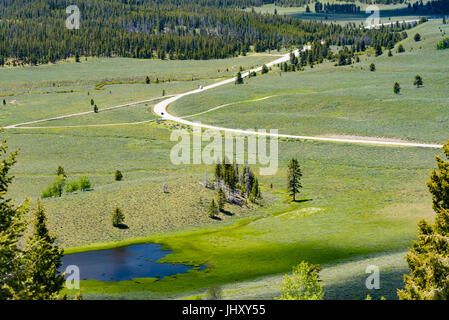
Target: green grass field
(359, 205)
(349, 100)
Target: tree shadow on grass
(216, 218)
(122, 226)
(228, 213)
(302, 200)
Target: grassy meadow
(359, 205)
(348, 100)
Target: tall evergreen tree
(12, 226)
(239, 79)
(220, 199)
(294, 178)
(429, 255)
(42, 261)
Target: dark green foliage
(372, 67)
(427, 259)
(42, 260)
(147, 80)
(95, 109)
(29, 272)
(4, 102)
(220, 199)
(239, 79)
(264, 69)
(294, 178)
(213, 210)
(118, 175)
(443, 44)
(61, 172)
(397, 88)
(417, 37)
(401, 48)
(12, 226)
(418, 81)
(118, 218)
(378, 49)
(34, 32)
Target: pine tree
(428, 258)
(213, 209)
(118, 218)
(220, 199)
(12, 226)
(61, 172)
(264, 69)
(396, 88)
(239, 79)
(147, 80)
(42, 261)
(118, 175)
(294, 178)
(372, 67)
(418, 81)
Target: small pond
(124, 263)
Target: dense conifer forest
(34, 31)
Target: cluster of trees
(34, 32)
(336, 8)
(30, 271)
(60, 184)
(233, 187)
(417, 81)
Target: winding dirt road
(161, 110)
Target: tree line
(34, 32)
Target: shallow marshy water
(124, 263)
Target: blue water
(124, 263)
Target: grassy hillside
(358, 201)
(349, 100)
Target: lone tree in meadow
(372, 67)
(213, 209)
(417, 37)
(239, 79)
(118, 218)
(418, 82)
(294, 178)
(118, 175)
(303, 284)
(429, 255)
(4, 102)
(397, 88)
(92, 102)
(401, 48)
(221, 199)
(95, 109)
(264, 69)
(147, 80)
(61, 172)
